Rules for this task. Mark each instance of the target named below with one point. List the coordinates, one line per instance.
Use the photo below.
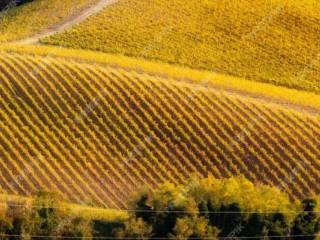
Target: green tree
(5, 221)
(307, 222)
(135, 229)
(48, 217)
(193, 228)
(103, 228)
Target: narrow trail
(68, 23)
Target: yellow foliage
(300, 99)
(250, 196)
(193, 226)
(97, 133)
(269, 41)
(26, 20)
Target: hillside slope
(265, 40)
(35, 17)
(74, 19)
(95, 133)
(14, 203)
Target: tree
(277, 225)
(229, 219)
(194, 228)
(49, 217)
(159, 210)
(103, 228)
(307, 222)
(135, 229)
(144, 211)
(5, 221)
(74, 227)
(43, 217)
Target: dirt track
(95, 8)
(68, 23)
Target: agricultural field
(31, 18)
(163, 119)
(269, 41)
(71, 209)
(95, 133)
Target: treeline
(220, 209)
(202, 209)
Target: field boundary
(299, 100)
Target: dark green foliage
(164, 222)
(16, 228)
(173, 213)
(12, 3)
(4, 3)
(307, 223)
(103, 228)
(168, 212)
(161, 217)
(227, 217)
(277, 226)
(47, 218)
(144, 211)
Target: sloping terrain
(35, 17)
(95, 134)
(75, 210)
(68, 23)
(265, 40)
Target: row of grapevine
(96, 134)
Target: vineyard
(94, 134)
(23, 21)
(269, 41)
(74, 210)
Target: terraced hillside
(95, 133)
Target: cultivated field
(270, 41)
(94, 133)
(16, 203)
(32, 18)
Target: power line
(159, 238)
(215, 212)
(158, 211)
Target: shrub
(307, 222)
(49, 217)
(212, 208)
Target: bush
(105, 228)
(202, 209)
(212, 208)
(49, 217)
(307, 223)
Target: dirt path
(71, 21)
